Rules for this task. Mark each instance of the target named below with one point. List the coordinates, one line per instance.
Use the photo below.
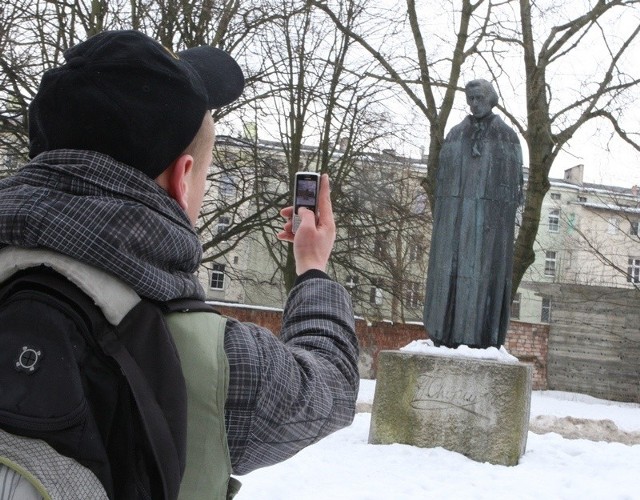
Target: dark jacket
(284, 393)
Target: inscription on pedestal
(475, 407)
(437, 393)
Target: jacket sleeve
(287, 393)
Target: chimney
(574, 175)
(423, 156)
(251, 131)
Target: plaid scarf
(88, 206)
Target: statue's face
(478, 101)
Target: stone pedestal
(471, 406)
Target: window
(414, 294)
(612, 225)
(554, 220)
(545, 315)
(380, 247)
(416, 252)
(550, 263)
(633, 231)
(555, 196)
(355, 237)
(582, 199)
(375, 294)
(355, 198)
(10, 162)
(263, 183)
(515, 307)
(217, 277)
(420, 203)
(572, 223)
(223, 224)
(633, 272)
(227, 187)
(351, 283)
(519, 212)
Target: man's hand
(312, 243)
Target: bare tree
(246, 188)
(551, 122)
(485, 36)
(310, 105)
(382, 242)
(35, 33)
(31, 37)
(601, 243)
(304, 86)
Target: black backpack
(113, 398)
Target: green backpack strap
(198, 333)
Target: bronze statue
(478, 190)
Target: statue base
(471, 406)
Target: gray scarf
(106, 214)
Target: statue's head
(481, 97)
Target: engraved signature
(440, 393)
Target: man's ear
(174, 179)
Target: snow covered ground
(345, 466)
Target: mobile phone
(305, 194)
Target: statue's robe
(478, 190)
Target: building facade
(381, 213)
(588, 236)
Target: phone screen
(306, 194)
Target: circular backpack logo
(29, 359)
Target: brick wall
(528, 342)
(383, 336)
(269, 318)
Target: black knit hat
(123, 94)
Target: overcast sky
(607, 159)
